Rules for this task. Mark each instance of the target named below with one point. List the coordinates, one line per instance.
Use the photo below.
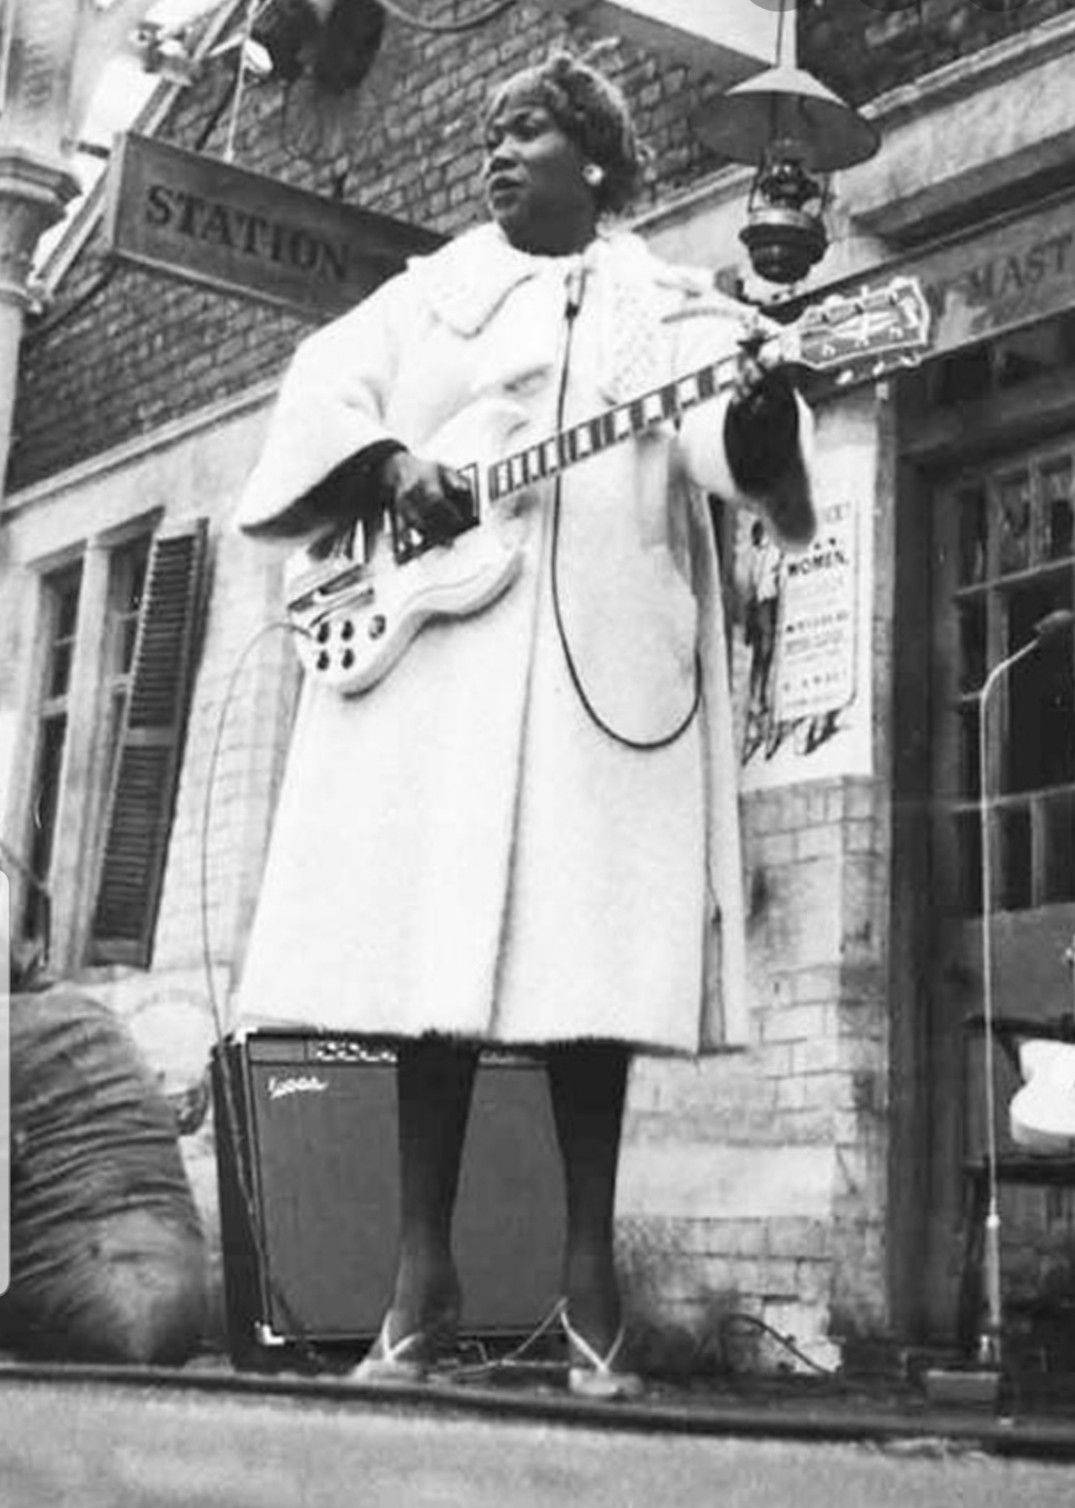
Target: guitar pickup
(317, 591)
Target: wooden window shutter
(149, 746)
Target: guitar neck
(547, 457)
(858, 338)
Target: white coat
(462, 849)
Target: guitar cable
(232, 1124)
(573, 303)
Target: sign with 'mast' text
(198, 218)
(987, 280)
(1015, 273)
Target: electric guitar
(356, 616)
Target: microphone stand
(990, 1340)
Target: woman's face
(533, 178)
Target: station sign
(183, 213)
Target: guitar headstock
(863, 335)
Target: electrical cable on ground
(740, 1317)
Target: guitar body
(358, 616)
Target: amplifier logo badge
(295, 1083)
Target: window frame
(33, 923)
(83, 772)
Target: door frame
(929, 444)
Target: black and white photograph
(537, 753)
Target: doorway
(1002, 554)
(989, 538)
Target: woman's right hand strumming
(426, 496)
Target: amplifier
(316, 1140)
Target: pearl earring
(593, 175)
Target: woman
(527, 834)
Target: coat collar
(466, 282)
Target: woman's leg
(434, 1078)
(588, 1083)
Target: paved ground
(77, 1440)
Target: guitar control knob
(323, 632)
(377, 625)
(347, 659)
(347, 629)
(322, 661)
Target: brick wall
(860, 48)
(121, 349)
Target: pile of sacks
(108, 1257)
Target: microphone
(1060, 620)
(574, 282)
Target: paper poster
(802, 655)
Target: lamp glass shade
(787, 104)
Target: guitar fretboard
(546, 457)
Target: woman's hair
(593, 113)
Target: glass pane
(43, 806)
(131, 566)
(59, 669)
(127, 580)
(969, 843)
(1059, 817)
(116, 705)
(1013, 523)
(1012, 889)
(959, 378)
(130, 634)
(968, 749)
(972, 517)
(66, 589)
(1029, 353)
(972, 625)
(63, 591)
(1056, 509)
(1041, 694)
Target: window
(61, 593)
(120, 639)
(1012, 561)
(126, 580)
(996, 366)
